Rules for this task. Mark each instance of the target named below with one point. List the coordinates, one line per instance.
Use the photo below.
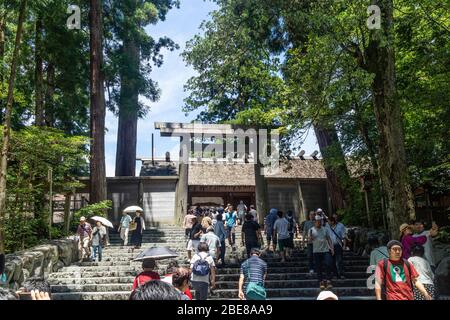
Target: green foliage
(298, 64)
(33, 151)
(443, 235)
(131, 52)
(20, 232)
(96, 209)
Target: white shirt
(427, 246)
(209, 259)
(423, 268)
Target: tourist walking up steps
(242, 211)
(124, 227)
(307, 240)
(213, 243)
(155, 290)
(251, 234)
(84, 232)
(194, 240)
(268, 228)
(188, 223)
(98, 241)
(337, 234)
(254, 213)
(180, 280)
(322, 246)
(148, 265)
(230, 223)
(252, 277)
(397, 276)
(219, 230)
(280, 230)
(203, 272)
(136, 236)
(172, 269)
(292, 230)
(423, 268)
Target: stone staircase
(112, 278)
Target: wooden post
(181, 194)
(303, 214)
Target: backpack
(201, 267)
(385, 265)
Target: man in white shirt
(200, 283)
(213, 243)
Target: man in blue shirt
(254, 270)
(124, 227)
(230, 221)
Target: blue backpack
(201, 267)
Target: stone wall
(40, 261)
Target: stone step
(93, 274)
(123, 251)
(292, 283)
(108, 287)
(107, 262)
(117, 295)
(102, 268)
(98, 280)
(227, 270)
(290, 276)
(298, 292)
(289, 269)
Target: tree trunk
(2, 36)
(2, 56)
(7, 124)
(393, 167)
(128, 111)
(49, 92)
(336, 175)
(261, 193)
(97, 151)
(39, 79)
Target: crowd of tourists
(404, 268)
(92, 240)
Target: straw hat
(403, 227)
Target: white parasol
(104, 221)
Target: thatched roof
(224, 174)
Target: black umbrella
(156, 254)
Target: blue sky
(180, 25)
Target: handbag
(3, 278)
(132, 226)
